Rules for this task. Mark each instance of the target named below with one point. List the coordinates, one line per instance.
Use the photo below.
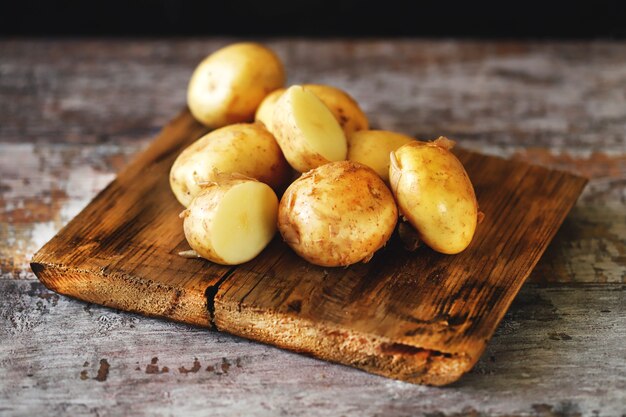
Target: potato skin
(337, 215)
(345, 108)
(266, 109)
(372, 148)
(434, 193)
(228, 85)
(247, 149)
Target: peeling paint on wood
(43, 187)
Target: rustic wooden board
(558, 352)
(121, 251)
(421, 317)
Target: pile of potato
(342, 186)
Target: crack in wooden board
(422, 317)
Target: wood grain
(53, 347)
(123, 247)
(421, 317)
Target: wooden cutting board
(417, 316)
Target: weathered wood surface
(421, 317)
(558, 352)
(73, 112)
(121, 251)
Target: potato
(228, 85)
(306, 130)
(345, 109)
(247, 149)
(337, 214)
(435, 194)
(372, 148)
(266, 108)
(231, 220)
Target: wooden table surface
(72, 113)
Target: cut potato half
(306, 130)
(345, 108)
(231, 221)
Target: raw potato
(247, 149)
(228, 85)
(232, 220)
(266, 108)
(372, 148)
(307, 131)
(337, 215)
(345, 108)
(435, 194)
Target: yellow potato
(231, 220)
(337, 215)
(435, 194)
(306, 130)
(247, 149)
(372, 148)
(266, 108)
(342, 105)
(345, 109)
(228, 85)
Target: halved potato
(306, 130)
(228, 85)
(231, 220)
(342, 105)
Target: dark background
(471, 19)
